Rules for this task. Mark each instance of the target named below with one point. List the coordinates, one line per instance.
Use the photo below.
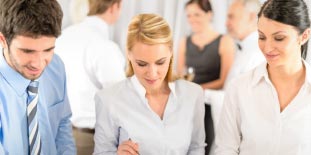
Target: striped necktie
(33, 126)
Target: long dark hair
(290, 12)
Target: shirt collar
(250, 38)
(142, 91)
(249, 41)
(261, 72)
(14, 79)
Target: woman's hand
(128, 148)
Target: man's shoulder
(77, 32)
(102, 45)
(53, 81)
(102, 41)
(55, 70)
(56, 63)
(76, 27)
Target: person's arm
(64, 139)
(106, 130)
(197, 145)
(228, 135)
(226, 52)
(181, 62)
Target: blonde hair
(150, 29)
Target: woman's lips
(271, 56)
(150, 81)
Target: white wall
(172, 10)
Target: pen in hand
(136, 150)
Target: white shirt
(92, 62)
(251, 122)
(123, 113)
(247, 58)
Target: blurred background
(172, 10)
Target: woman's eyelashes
(143, 64)
(140, 64)
(160, 63)
(261, 38)
(277, 38)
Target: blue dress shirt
(53, 111)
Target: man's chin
(32, 76)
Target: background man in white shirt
(92, 62)
(242, 25)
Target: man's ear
(3, 41)
(305, 36)
(209, 15)
(115, 7)
(253, 17)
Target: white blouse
(123, 113)
(251, 122)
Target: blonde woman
(150, 112)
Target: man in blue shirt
(34, 119)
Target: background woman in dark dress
(209, 53)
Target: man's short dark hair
(32, 18)
(100, 6)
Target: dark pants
(84, 142)
(209, 129)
